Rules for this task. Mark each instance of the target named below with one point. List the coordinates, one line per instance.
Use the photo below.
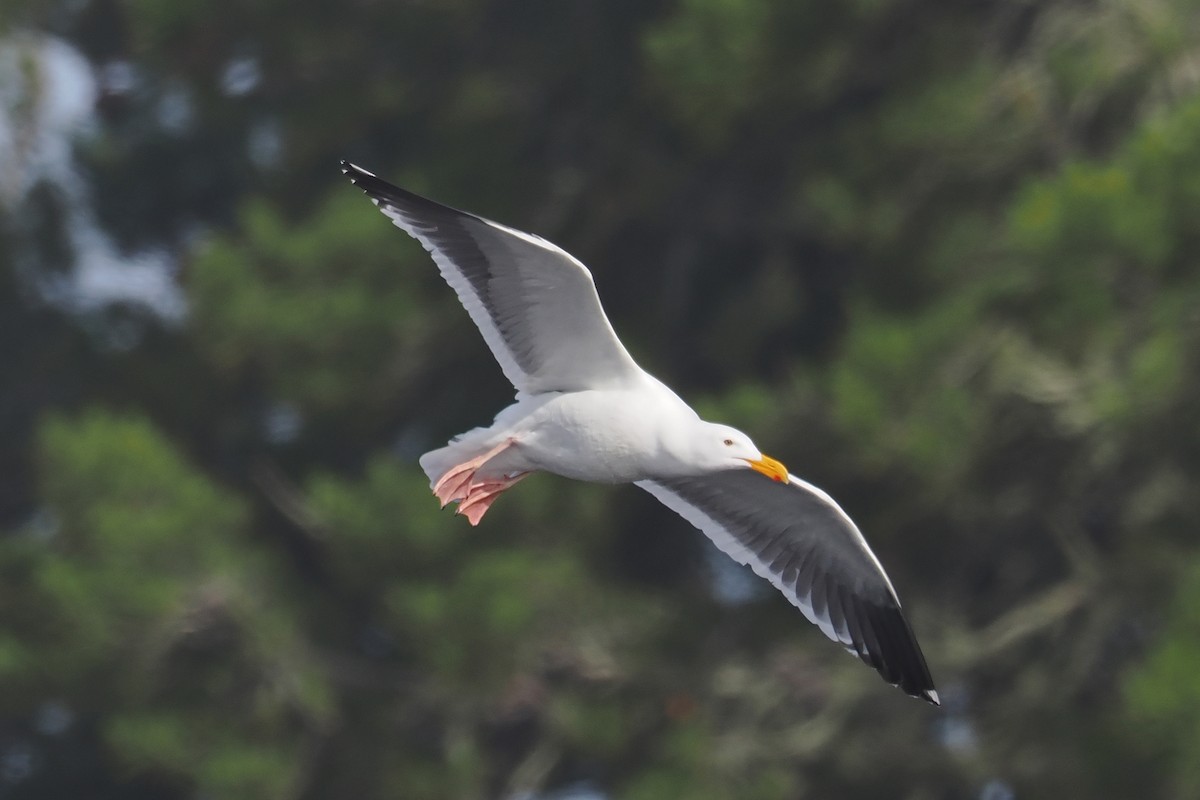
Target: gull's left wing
(796, 536)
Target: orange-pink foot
(474, 497)
(481, 496)
(455, 483)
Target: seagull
(585, 410)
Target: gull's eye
(729, 442)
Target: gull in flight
(585, 410)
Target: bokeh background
(938, 257)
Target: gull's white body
(621, 429)
(586, 410)
(549, 431)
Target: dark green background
(938, 257)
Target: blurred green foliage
(158, 634)
(275, 283)
(939, 258)
(1164, 694)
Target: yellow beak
(770, 467)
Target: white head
(719, 447)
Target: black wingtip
(377, 189)
(383, 193)
(900, 660)
(354, 172)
